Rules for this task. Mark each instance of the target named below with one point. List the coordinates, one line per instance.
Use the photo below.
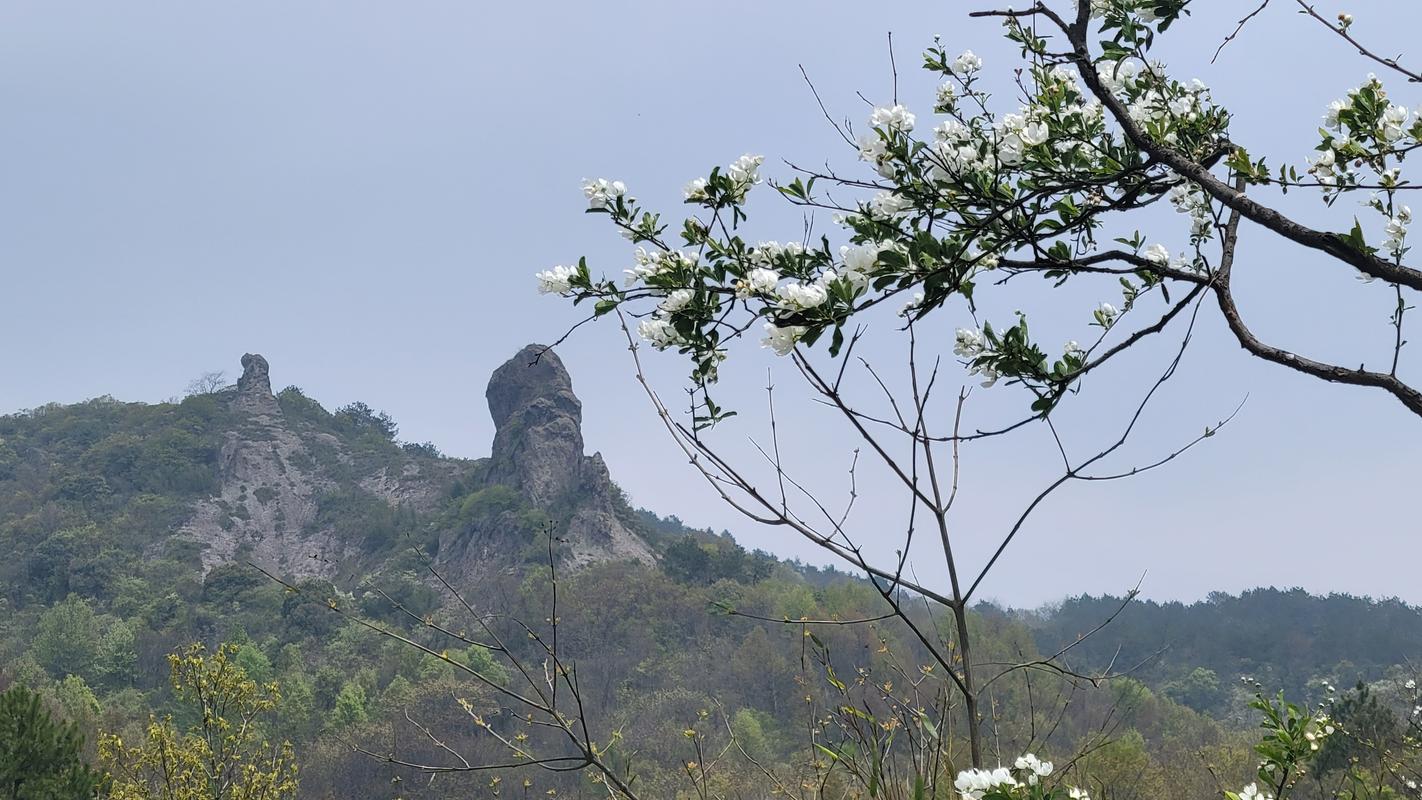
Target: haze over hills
(126, 530)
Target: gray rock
(254, 388)
(538, 439)
(272, 475)
(538, 450)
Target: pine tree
(39, 755)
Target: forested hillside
(130, 530)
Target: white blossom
(1323, 167)
(1158, 254)
(652, 263)
(1034, 133)
(1120, 75)
(1035, 768)
(1010, 149)
(745, 169)
(951, 131)
(972, 784)
(1330, 117)
(1189, 198)
(860, 257)
(744, 173)
(1394, 122)
(802, 296)
(1062, 73)
(913, 303)
(948, 161)
(857, 280)
(782, 339)
(969, 343)
(557, 280)
(602, 193)
(1394, 235)
(1106, 314)
(875, 150)
(889, 204)
(695, 189)
(966, 64)
(896, 118)
(659, 332)
(766, 253)
(946, 97)
(677, 300)
(758, 281)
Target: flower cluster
(557, 280)
(603, 193)
(1395, 233)
(782, 338)
(1022, 780)
(659, 332)
(1033, 768)
(1364, 129)
(651, 264)
(971, 344)
(1188, 198)
(726, 187)
(975, 784)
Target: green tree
(224, 756)
(77, 701)
(67, 639)
(40, 756)
(482, 661)
(1199, 690)
(350, 706)
(254, 662)
(1369, 728)
(116, 656)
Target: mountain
(126, 531)
(243, 474)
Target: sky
(361, 191)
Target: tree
(1370, 729)
(1104, 135)
(40, 756)
(1053, 189)
(350, 708)
(208, 383)
(1199, 690)
(116, 656)
(362, 418)
(224, 756)
(68, 638)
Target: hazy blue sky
(361, 191)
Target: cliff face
(278, 477)
(538, 451)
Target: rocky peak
(254, 388)
(538, 450)
(538, 439)
(535, 375)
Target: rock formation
(538, 437)
(538, 451)
(254, 388)
(274, 472)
